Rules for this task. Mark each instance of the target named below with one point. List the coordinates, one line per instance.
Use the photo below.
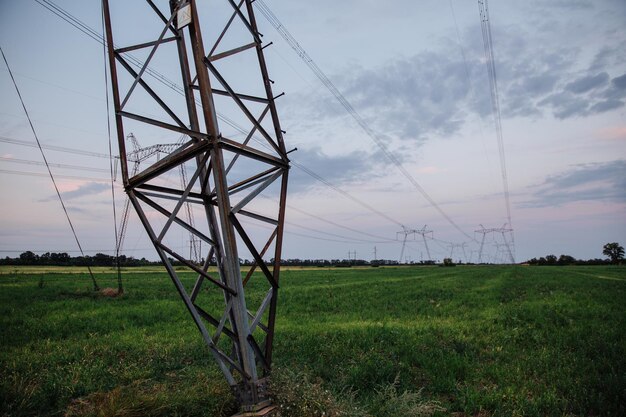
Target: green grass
(463, 341)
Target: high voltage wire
(345, 193)
(345, 238)
(468, 78)
(340, 225)
(43, 155)
(118, 236)
(67, 17)
(291, 41)
(495, 103)
(381, 239)
(39, 174)
(64, 166)
(334, 234)
(52, 147)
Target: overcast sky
(415, 72)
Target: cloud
(544, 70)
(89, 188)
(613, 133)
(587, 83)
(619, 82)
(335, 169)
(569, 4)
(586, 182)
(412, 97)
(612, 54)
(587, 95)
(605, 105)
(426, 94)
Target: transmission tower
(502, 230)
(423, 232)
(458, 245)
(137, 156)
(230, 170)
(405, 234)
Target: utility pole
(236, 159)
(375, 257)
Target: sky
(415, 72)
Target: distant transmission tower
(230, 169)
(423, 232)
(502, 230)
(137, 156)
(405, 234)
(458, 245)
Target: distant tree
(551, 259)
(448, 262)
(613, 251)
(29, 258)
(566, 260)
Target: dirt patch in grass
(132, 401)
(110, 292)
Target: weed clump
(297, 395)
(388, 402)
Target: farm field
(368, 342)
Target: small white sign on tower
(183, 18)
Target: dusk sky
(414, 71)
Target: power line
(340, 225)
(345, 239)
(344, 193)
(66, 16)
(64, 166)
(291, 41)
(333, 234)
(118, 237)
(39, 174)
(52, 147)
(495, 101)
(43, 155)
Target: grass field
(372, 342)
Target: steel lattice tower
(232, 168)
(501, 230)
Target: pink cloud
(613, 133)
(428, 170)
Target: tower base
(267, 411)
(254, 398)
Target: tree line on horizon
(64, 259)
(613, 251)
